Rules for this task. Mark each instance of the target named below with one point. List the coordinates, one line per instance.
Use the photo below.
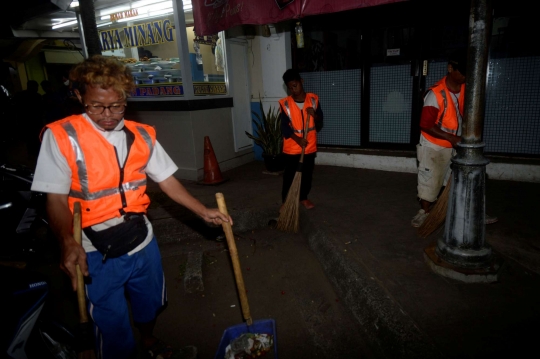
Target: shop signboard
(145, 34)
(212, 16)
(158, 90)
(201, 88)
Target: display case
(145, 38)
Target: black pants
(291, 167)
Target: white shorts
(433, 171)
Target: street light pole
(463, 250)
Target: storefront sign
(200, 88)
(158, 90)
(150, 33)
(209, 88)
(124, 15)
(212, 16)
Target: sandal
(160, 350)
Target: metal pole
(89, 28)
(463, 243)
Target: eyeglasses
(98, 110)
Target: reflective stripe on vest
(82, 171)
(301, 131)
(439, 122)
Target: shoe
(307, 203)
(491, 220)
(419, 218)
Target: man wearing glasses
(101, 160)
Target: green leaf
(267, 130)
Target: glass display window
(142, 35)
(207, 60)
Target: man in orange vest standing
(441, 124)
(296, 109)
(102, 161)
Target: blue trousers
(138, 278)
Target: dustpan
(262, 326)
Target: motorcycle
(27, 245)
(24, 225)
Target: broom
(288, 216)
(85, 339)
(437, 214)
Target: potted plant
(268, 136)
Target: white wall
(275, 60)
(182, 136)
(255, 68)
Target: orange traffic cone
(212, 173)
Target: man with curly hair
(101, 160)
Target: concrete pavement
(360, 232)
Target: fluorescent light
(74, 4)
(63, 24)
(104, 24)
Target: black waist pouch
(120, 239)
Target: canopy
(212, 16)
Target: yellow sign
(208, 88)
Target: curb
(388, 328)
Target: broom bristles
(437, 215)
(288, 217)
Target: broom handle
(77, 235)
(235, 261)
(305, 136)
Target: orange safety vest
(447, 117)
(97, 181)
(297, 116)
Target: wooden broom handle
(77, 235)
(235, 261)
(305, 136)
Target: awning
(212, 16)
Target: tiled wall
(390, 104)
(339, 96)
(512, 115)
(436, 71)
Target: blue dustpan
(263, 326)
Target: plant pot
(274, 163)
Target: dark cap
(458, 60)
